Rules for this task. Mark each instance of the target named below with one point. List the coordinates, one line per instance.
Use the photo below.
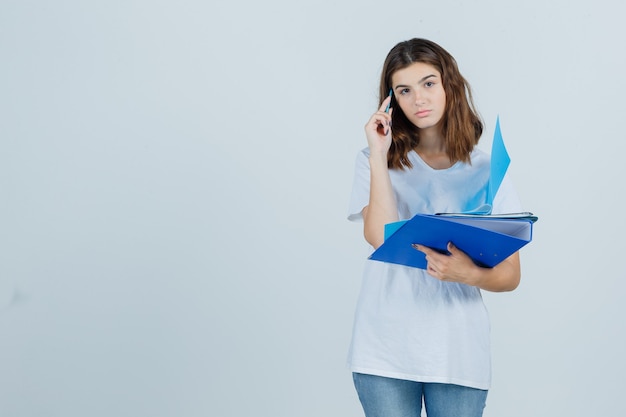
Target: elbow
(516, 281)
(502, 278)
(374, 230)
(511, 274)
(373, 239)
(511, 283)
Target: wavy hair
(461, 125)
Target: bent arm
(382, 207)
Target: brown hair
(461, 124)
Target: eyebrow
(419, 82)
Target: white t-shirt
(409, 325)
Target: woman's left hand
(455, 267)
(458, 267)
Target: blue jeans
(389, 397)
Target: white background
(174, 180)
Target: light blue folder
(500, 162)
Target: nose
(419, 96)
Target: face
(418, 90)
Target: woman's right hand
(378, 130)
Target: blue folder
(487, 239)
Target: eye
(404, 91)
(429, 84)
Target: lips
(423, 113)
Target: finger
(454, 250)
(381, 123)
(384, 104)
(451, 248)
(388, 129)
(379, 119)
(422, 248)
(382, 130)
(432, 271)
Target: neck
(432, 149)
(431, 142)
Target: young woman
(423, 335)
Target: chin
(424, 125)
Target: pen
(389, 105)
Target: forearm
(382, 207)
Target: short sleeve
(360, 186)
(506, 199)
